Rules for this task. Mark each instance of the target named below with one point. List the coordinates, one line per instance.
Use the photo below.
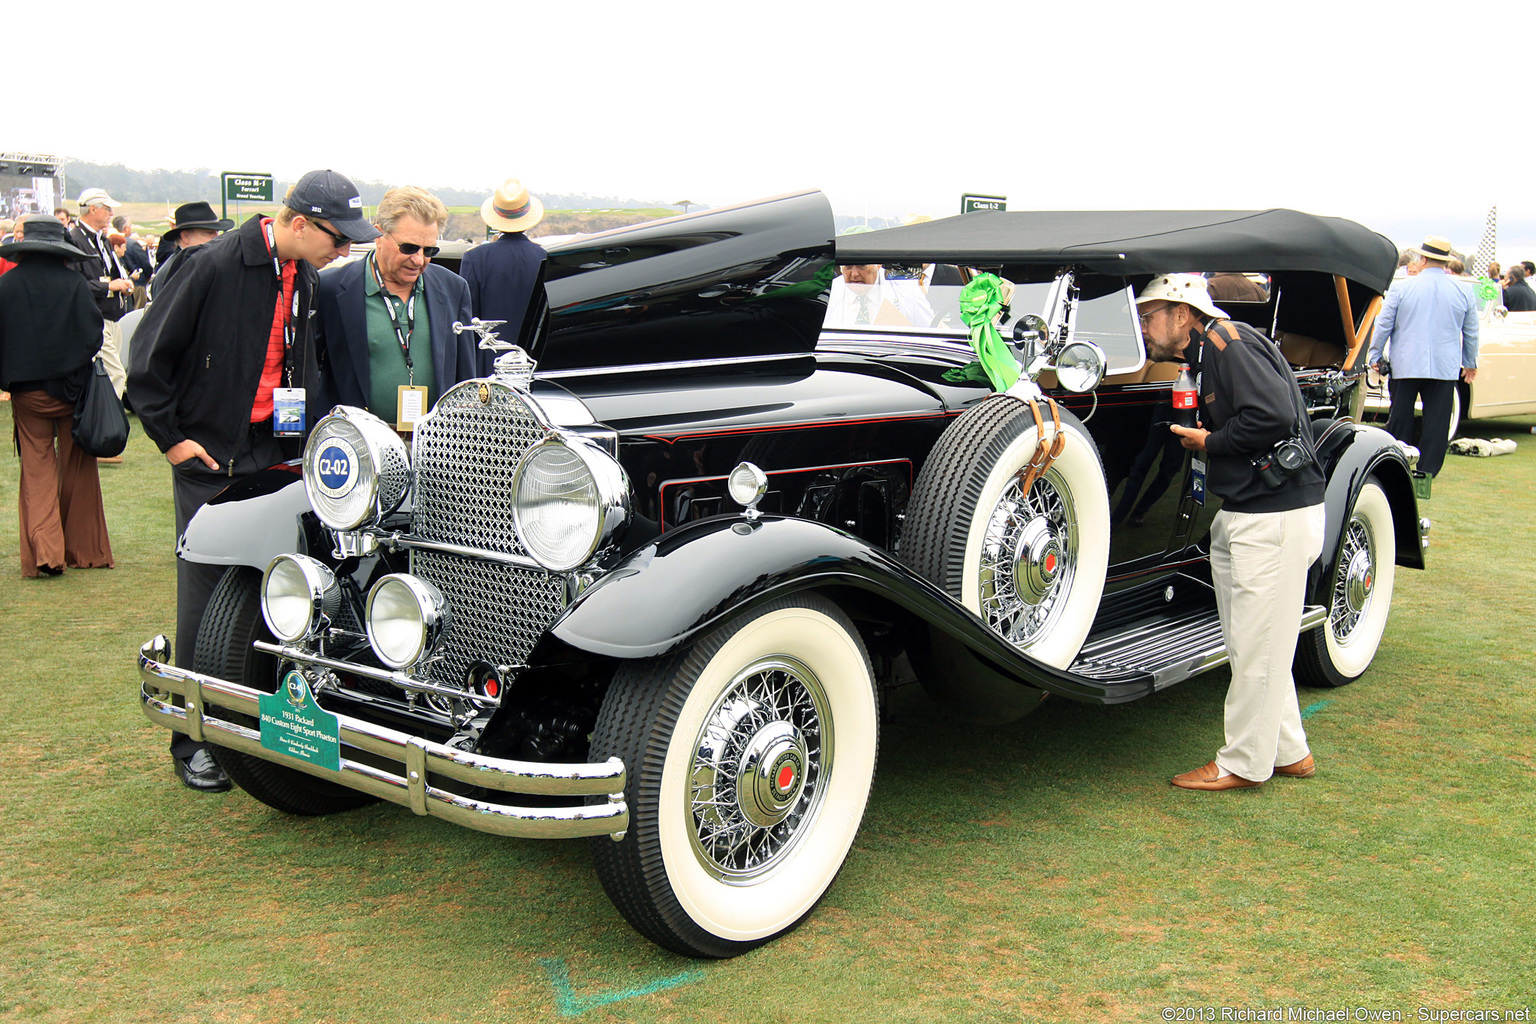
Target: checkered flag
(1485, 248)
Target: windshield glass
(925, 299)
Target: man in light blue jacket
(1425, 339)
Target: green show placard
(293, 724)
(247, 188)
(972, 203)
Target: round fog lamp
(747, 484)
(1080, 367)
(406, 619)
(356, 470)
(299, 597)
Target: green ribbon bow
(1487, 290)
(981, 303)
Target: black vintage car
(652, 592)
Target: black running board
(1170, 649)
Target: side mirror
(1029, 334)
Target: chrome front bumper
(418, 761)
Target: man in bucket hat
(1430, 323)
(225, 341)
(506, 276)
(1266, 534)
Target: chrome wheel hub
(1028, 559)
(1036, 560)
(1359, 579)
(760, 764)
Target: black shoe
(202, 773)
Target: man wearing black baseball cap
(225, 345)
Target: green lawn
(1042, 871)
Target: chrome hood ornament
(513, 366)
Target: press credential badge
(288, 412)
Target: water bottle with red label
(1185, 398)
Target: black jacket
(1249, 401)
(197, 356)
(1519, 298)
(49, 326)
(93, 268)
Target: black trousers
(192, 484)
(1436, 397)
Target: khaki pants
(1259, 563)
(112, 356)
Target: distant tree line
(162, 186)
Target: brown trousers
(62, 519)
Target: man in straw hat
(1427, 331)
(505, 275)
(1267, 532)
(224, 347)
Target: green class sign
(972, 203)
(293, 724)
(247, 188)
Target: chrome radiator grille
(464, 458)
(499, 611)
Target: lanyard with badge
(410, 400)
(287, 402)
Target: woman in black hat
(50, 331)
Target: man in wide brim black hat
(41, 235)
(195, 215)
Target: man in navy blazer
(386, 321)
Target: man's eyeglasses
(411, 248)
(1149, 314)
(340, 241)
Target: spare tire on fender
(1031, 566)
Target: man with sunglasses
(224, 375)
(386, 321)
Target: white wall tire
(1032, 567)
(750, 761)
(1360, 598)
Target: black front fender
(693, 578)
(1369, 452)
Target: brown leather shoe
(1209, 777)
(1303, 769)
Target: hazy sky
(1409, 123)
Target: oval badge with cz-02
(337, 469)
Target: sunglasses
(339, 241)
(411, 248)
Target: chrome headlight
(406, 619)
(356, 470)
(568, 499)
(1080, 367)
(299, 597)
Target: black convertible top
(1140, 242)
